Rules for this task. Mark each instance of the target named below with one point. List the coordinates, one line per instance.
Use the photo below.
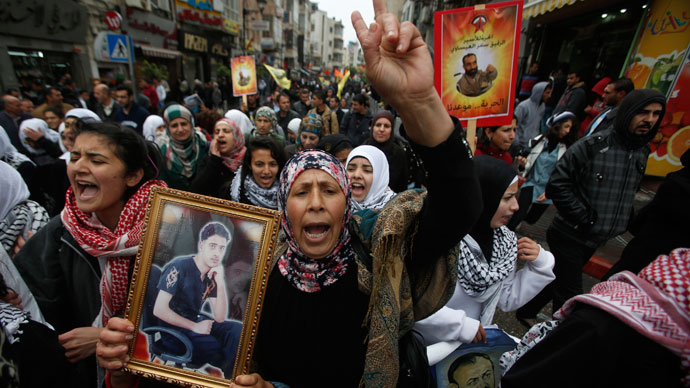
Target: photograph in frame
(197, 286)
(476, 61)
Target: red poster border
(438, 25)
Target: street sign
(259, 25)
(118, 50)
(113, 20)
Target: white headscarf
(82, 113)
(13, 189)
(150, 124)
(65, 153)
(379, 193)
(37, 125)
(10, 154)
(241, 119)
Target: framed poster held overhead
(476, 61)
(197, 288)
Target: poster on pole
(243, 76)
(476, 61)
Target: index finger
(380, 8)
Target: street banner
(659, 60)
(280, 76)
(243, 76)
(476, 61)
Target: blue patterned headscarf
(303, 273)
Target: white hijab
(150, 124)
(10, 154)
(82, 113)
(379, 193)
(37, 125)
(241, 119)
(13, 189)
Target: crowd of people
(390, 224)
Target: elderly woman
(266, 122)
(352, 286)
(184, 150)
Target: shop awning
(159, 52)
(540, 7)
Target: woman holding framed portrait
(77, 265)
(344, 288)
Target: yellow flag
(342, 82)
(324, 81)
(280, 76)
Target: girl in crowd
(382, 138)
(241, 119)
(310, 130)
(20, 217)
(367, 168)
(185, 149)
(42, 142)
(349, 306)
(495, 141)
(154, 130)
(545, 151)
(256, 182)
(225, 157)
(72, 120)
(76, 266)
(53, 116)
(487, 273)
(266, 122)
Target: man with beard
(475, 82)
(130, 113)
(106, 106)
(614, 93)
(574, 98)
(593, 187)
(304, 104)
(53, 98)
(285, 114)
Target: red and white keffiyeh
(116, 247)
(656, 303)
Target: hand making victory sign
(399, 67)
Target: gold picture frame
(182, 239)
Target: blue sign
(118, 48)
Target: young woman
(226, 154)
(487, 259)
(310, 130)
(185, 149)
(256, 182)
(54, 116)
(347, 306)
(367, 168)
(382, 138)
(77, 265)
(495, 141)
(545, 151)
(266, 122)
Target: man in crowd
(304, 104)
(10, 119)
(334, 104)
(285, 114)
(330, 120)
(160, 92)
(475, 82)
(53, 98)
(27, 106)
(131, 114)
(106, 106)
(186, 284)
(356, 121)
(614, 93)
(149, 91)
(574, 98)
(528, 81)
(593, 187)
(529, 114)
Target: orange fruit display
(639, 74)
(678, 143)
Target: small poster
(243, 76)
(476, 61)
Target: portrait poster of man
(476, 60)
(197, 290)
(243, 71)
(474, 365)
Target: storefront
(43, 42)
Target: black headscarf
(495, 176)
(629, 107)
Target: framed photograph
(197, 288)
(476, 61)
(474, 365)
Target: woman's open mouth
(86, 190)
(316, 232)
(357, 189)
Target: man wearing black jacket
(355, 123)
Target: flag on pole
(324, 81)
(337, 73)
(341, 83)
(280, 76)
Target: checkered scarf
(656, 303)
(475, 273)
(303, 273)
(116, 247)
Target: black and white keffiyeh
(11, 319)
(475, 273)
(25, 216)
(256, 194)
